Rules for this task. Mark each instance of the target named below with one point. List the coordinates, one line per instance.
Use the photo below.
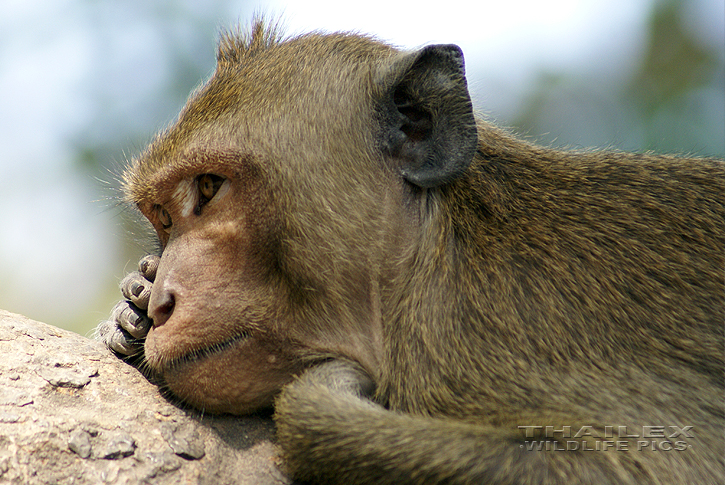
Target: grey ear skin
(428, 127)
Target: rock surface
(72, 412)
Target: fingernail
(136, 289)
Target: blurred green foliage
(673, 103)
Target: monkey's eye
(164, 217)
(208, 184)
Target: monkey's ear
(428, 127)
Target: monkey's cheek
(239, 380)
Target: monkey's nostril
(168, 306)
(163, 309)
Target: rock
(119, 445)
(72, 412)
(185, 442)
(80, 443)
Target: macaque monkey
(423, 297)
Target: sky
(68, 66)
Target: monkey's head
(284, 197)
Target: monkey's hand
(129, 323)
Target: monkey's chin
(239, 376)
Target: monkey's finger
(137, 289)
(148, 266)
(132, 319)
(116, 338)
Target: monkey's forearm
(331, 434)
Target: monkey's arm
(330, 433)
(129, 323)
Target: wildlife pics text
(648, 438)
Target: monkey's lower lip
(203, 353)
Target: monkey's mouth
(206, 352)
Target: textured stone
(71, 412)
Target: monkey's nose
(161, 307)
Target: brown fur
(524, 287)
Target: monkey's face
(215, 337)
(243, 299)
